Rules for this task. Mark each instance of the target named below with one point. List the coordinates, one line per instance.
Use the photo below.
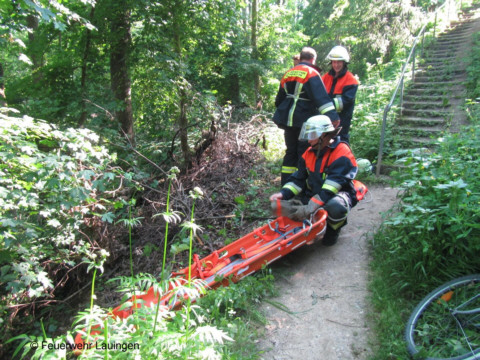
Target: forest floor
(325, 291)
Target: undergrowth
(220, 325)
(433, 234)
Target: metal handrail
(400, 83)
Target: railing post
(435, 24)
(402, 86)
(413, 63)
(423, 38)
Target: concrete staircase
(433, 100)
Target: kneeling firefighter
(324, 179)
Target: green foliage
(54, 185)
(49, 11)
(433, 234)
(215, 328)
(373, 94)
(147, 334)
(374, 31)
(235, 310)
(473, 78)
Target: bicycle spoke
(446, 326)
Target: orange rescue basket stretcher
(241, 258)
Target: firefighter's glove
(287, 207)
(303, 212)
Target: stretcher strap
(279, 208)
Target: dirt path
(325, 288)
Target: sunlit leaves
(46, 191)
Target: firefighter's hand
(301, 213)
(276, 196)
(285, 207)
(314, 203)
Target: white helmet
(338, 53)
(364, 166)
(315, 126)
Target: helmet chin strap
(323, 143)
(326, 139)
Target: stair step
(423, 101)
(442, 54)
(413, 142)
(426, 113)
(463, 35)
(423, 141)
(453, 39)
(446, 46)
(436, 70)
(436, 84)
(426, 105)
(418, 121)
(440, 61)
(425, 94)
(419, 132)
(439, 51)
(433, 78)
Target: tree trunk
(33, 48)
(234, 88)
(83, 80)
(3, 98)
(256, 76)
(120, 80)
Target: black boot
(331, 236)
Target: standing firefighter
(342, 87)
(324, 179)
(300, 96)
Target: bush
(435, 232)
(54, 186)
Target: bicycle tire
(433, 307)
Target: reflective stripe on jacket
(300, 96)
(326, 175)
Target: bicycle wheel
(446, 323)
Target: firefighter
(300, 96)
(324, 178)
(296, 59)
(342, 87)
